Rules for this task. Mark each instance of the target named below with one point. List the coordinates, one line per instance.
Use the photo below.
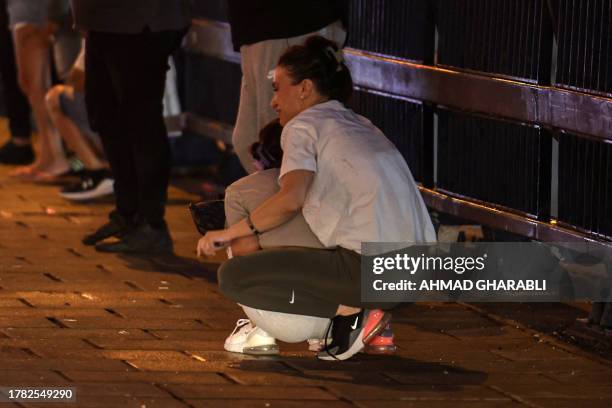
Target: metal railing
(502, 116)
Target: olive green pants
(303, 281)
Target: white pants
(254, 111)
(286, 327)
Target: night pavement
(143, 332)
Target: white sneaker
(249, 339)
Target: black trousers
(16, 104)
(124, 88)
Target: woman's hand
(212, 242)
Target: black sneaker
(143, 239)
(117, 226)
(12, 153)
(350, 334)
(93, 184)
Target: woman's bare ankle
(347, 310)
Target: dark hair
(319, 60)
(268, 150)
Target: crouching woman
(352, 186)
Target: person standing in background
(127, 48)
(66, 104)
(35, 24)
(262, 30)
(18, 150)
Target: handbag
(208, 215)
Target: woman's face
(288, 99)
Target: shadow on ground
(175, 264)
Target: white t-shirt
(363, 190)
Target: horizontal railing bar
(504, 220)
(556, 108)
(208, 127)
(551, 107)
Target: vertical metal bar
(427, 137)
(586, 23)
(607, 84)
(562, 42)
(544, 175)
(546, 48)
(572, 16)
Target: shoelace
(239, 324)
(326, 347)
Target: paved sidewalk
(142, 332)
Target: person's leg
(311, 282)
(290, 328)
(103, 90)
(141, 86)
(17, 107)
(32, 53)
(68, 129)
(101, 100)
(245, 131)
(17, 150)
(141, 116)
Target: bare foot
(26, 171)
(40, 172)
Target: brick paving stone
(473, 378)
(64, 313)
(532, 366)
(571, 403)
(319, 378)
(579, 377)
(87, 299)
(59, 334)
(94, 354)
(114, 389)
(212, 335)
(240, 362)
(157, 344)
(8, 352)
(166, 312)
(25, 322)
(120, 401)
(560, 391)
(47, 344)
(372, 363)
(33, 377)
(196, 391)
(61, 364)
(157, 377)
(493, 403)
(153, 328)
(535, 353)
(113, 322)
(358, 392)
(267, 403)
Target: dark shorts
(37, 11)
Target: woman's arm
(275, 211)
